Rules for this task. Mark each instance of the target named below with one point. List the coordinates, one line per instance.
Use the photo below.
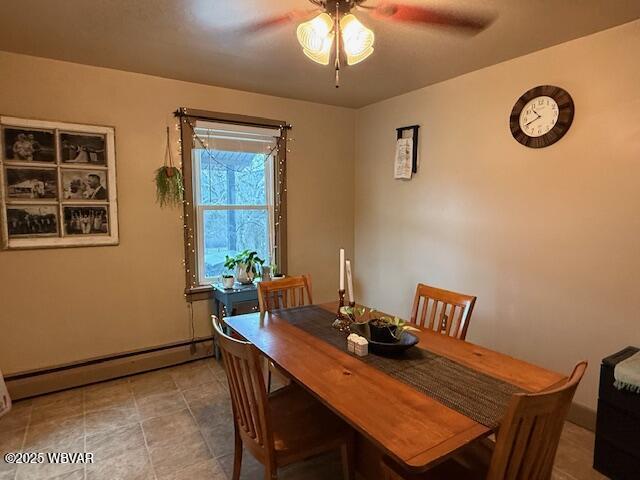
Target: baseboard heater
(32, 383)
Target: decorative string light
(189, 235)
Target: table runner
(469, 392)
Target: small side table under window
(226, 300)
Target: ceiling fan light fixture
(323, 56)
(357, 39)
(316, 37)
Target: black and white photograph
(57, 184)
(85, 184)
(29, 145)
(31, 183)
(32, 220)
(81, 220)
(82, 148)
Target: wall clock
(541, 116)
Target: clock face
(539, 116)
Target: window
(235, 170)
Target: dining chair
(281, 428)
(286, 293)
(526, 442)
(443, 311)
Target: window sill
(195, 294)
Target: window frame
(198, 287)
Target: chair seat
(303, 425)
(472, 463)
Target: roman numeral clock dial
(541, 116)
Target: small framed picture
(86, 220)
(27, 183)
(85, 184)
(29, 145)
(82, 149)
(57, 185)
(32, 220)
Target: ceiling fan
(333, 19)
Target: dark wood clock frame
(566, 110)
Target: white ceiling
(197, 40)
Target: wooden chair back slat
(434, 308)
(449, 319)
(286, 293)
(448, 312)
(248, 393)
(528, 439)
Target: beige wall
(63, 305)
(547, 239)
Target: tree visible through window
(234, 206)
(233, 177)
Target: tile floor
(172, 424)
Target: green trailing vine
(169, 181)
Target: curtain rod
(231, 118)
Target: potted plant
(275, 273)
(169, 181)
(389, 329)
(247, 264)
(377, 327)
(227, 278)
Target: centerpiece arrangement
(386, 335)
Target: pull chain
(337, 30)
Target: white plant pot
(227, 282)
(242, 275)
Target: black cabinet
(617, 449)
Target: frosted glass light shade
(356, 38)
(316, 38)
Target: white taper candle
(349, 281)
(342, 269)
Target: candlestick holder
(342, 321)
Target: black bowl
(407, 340)
(385, 334)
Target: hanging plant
(169, 180)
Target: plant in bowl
(387, 329)
(247, 264)
(375, 326)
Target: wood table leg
(368, 458)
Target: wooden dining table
(390, 417)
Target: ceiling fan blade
(278, 20)
(399, 12)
